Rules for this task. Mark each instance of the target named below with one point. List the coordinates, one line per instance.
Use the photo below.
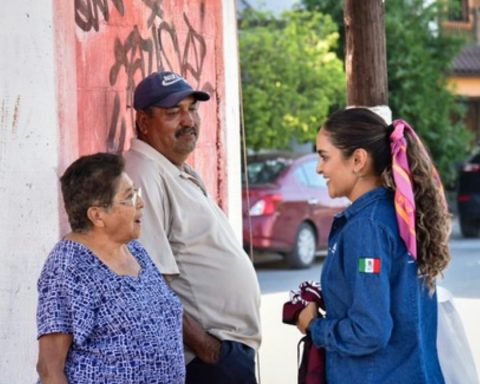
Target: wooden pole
(365, 56)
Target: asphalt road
(278, 353)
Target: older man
(189, 237)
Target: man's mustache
(186, 130)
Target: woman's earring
(358, 174)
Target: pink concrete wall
(118, 42)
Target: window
(458, 10)
(265, 171)
(300, 176)
(314, 179)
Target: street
(278, 353)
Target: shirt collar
(185, 170)
(152, 153)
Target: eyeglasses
(132, 200)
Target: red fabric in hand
(311, 369)
(309, 291)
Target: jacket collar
(365, 200)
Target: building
(465, 77)
(68, 73)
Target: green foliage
(290, 76)
(419, 60)
(334, 8)
(419, 57)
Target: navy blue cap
(165, 90)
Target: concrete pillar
(29, 157)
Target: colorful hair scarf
(402, 175)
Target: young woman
(385, 252)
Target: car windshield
(265, 170)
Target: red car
(288, 208)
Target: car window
(314, 179)
(265, 171)
(300, 175)
(475, 159)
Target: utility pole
(365, 56)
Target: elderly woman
(105, 314)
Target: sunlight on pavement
(278, 353)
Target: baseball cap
(164, 89)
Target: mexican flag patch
(369, 265)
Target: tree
(334, 8)
(419, 60)
(290, 76)
(419, 57)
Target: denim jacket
(381, 322)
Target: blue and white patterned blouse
(125, 329)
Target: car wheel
(303, 252)
(469, 228)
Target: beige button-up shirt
(189, 238)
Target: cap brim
(172, 100)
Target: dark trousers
(236, 365)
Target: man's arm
(205, 346)
(53, 350)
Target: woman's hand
(309, 313)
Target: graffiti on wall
(161, 45)
(87, 12)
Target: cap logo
(164, 90)
(170, 79)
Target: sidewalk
(278, 353)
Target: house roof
(468, 61)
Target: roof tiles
(468, 61)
